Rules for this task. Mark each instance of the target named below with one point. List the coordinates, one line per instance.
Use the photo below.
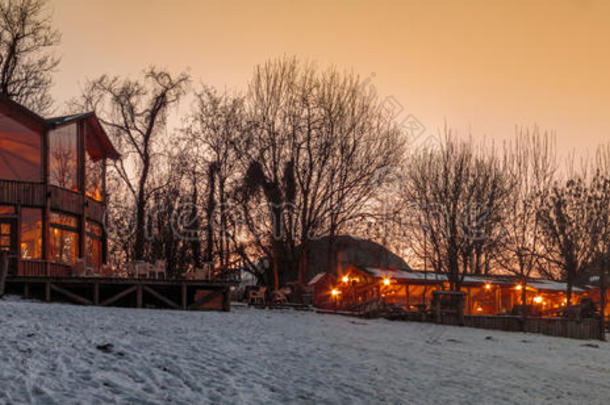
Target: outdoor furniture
(78, 268)
(106, 271)
(141, 268)
(198, 274)
(257, 296)
(279, 297)
(158, 268)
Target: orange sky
(481, 65)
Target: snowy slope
(49, 354)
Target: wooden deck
(125, 292)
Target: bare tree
(456, 199)
(134, 113)
(530, 160)
(316, 146)
(27, 62)
(214, 128)
(600, 190)
(567, 218)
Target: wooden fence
(560, 327)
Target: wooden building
(412, 291)
(52, 190)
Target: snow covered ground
(54, 353)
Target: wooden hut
(52, 190)
(413, 291)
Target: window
(20, 151)
(7, 210)
(93, 185)
(31, 233)
(63, 157)
(94, 169)
(94, 244)
(63, 238)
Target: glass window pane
(64, 245)
(94, 229)
(63, 157)
(93, 181)
(63, 220)
(7, 210)
(20, 151)
(94, 252)
(31, 233)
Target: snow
(49, 354)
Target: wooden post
(96, 293)
(139, 296)
(26, 290)
(184, 296)
(47, 291)
(3, 272)
(226, 299)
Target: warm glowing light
(386, 281)
(334, 292)
(479, 309)
(487, 286)
(519, 287)
(537, 299)
(345, 279)
(355, 279)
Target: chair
(198, 274)
(78, 268)
(257, 296)
(141, 268)
(279, 297)
(159, 268)
(107, 271)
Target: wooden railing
(27, 193)
(32, 194)
(42, 268)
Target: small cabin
(52, 190)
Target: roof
(317, 278)
(66, 119)
(538, 284)
(106, 149)
(37, 123)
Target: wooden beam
(139, 300)
(184, 296)
(47, 291)
(226, 302)
(71, 295)
(160, 297)
(26, 290)
(213, 294)
(118, 296)
(3, 271)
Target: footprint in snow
(105, 348)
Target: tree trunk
(211, 207)
(602, 309)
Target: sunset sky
(484, 66)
